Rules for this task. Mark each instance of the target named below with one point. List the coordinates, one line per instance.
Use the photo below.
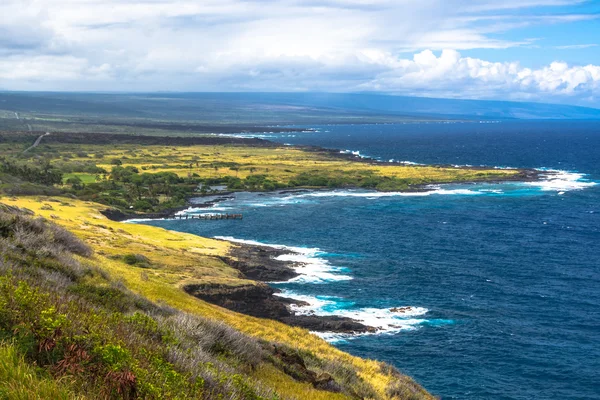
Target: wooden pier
(209, 216)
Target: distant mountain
(421, 107)
(432, 107)
(274, 108)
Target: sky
(529, 50)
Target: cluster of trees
(88, 167)
(128, 187)
(43, 173)
(144, 191)
(251, 182)
(363, 179)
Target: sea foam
(385, 320)
(202, 210)
(562, 181)
(355, 153)
(305, 261)
(432, 190)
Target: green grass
(85, 178)
(19, 380)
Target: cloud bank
(395, 46)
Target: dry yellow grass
(281, 164)
(177, 259)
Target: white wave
(313, 269)
(494, 191)
(262, 135)
(562, 181)
(138, 220)
(350, 193)
(305, 261)
(410, 163)
(355, 153)
(202, 210)
(301, 250)
(385, 320)
(190, 210)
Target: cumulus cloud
(396, 46)
(429, 73)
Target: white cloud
(431, 74)
(576, 46)
(337, 45)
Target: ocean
(501, 282)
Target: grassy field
(174, 259)
(282, 164)
(83, 177)
(152, 178)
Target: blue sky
(538, 50)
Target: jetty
(209, 216)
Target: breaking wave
(305, 261)
(562, 181)
(384, 320)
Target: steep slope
(103, 326)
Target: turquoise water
(501, 281)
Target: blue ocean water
(502, 280)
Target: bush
(214, 337)
(143, 205)
(137, 260)
(75, 182)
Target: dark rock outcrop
(330, 323)
(259, 263)
(259, 300)
(256, 300)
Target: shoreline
(259, 263)
(114, 214)
(265, 263)
(523, 175)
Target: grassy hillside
(79, 319)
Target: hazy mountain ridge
(235, 112)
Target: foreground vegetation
(150, 178)
(92, 308)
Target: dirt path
(37, 142)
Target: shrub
(75, 182)
(214, 337)
(137, 260)
(114, 357)
(143, 205)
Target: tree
(75, 182)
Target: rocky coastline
(258, 299)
